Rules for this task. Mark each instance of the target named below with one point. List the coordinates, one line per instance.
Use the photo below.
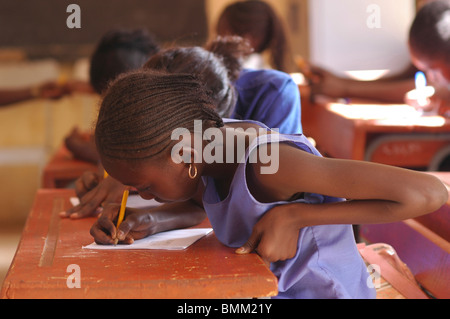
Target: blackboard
(40, 28)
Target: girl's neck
(231, 143)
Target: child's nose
(146, 195)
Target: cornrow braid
(217, 65)
(140, 110)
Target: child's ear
(185, 153)
(184, 150)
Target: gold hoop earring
(192, 175)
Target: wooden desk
(422, 243)
(63, 169)
(49, 245)
(388, 134)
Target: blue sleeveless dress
(327, 263)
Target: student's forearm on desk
(143, 222)
(387, 91)
(176, 215)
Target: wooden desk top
(391, 117)
(345, 130)
(369, 114)
(49, 245)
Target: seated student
(268, 96)
(428, 44)
(257, 22)
(320, 260)
(118, 51)
(390, 90)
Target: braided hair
(119, 51)
(141, 108)
(217, 65)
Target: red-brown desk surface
(347, 130)
(207, 269)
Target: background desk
(388, 134)
(49, 245)
(63, 169)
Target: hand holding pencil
(126, 224)
(123, 205)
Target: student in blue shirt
(266, 95)
(270, 97)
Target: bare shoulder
(273, 167)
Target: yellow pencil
(121, 212)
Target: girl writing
(319, 259)
(267, 96)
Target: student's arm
(13, 96)
(93, 192)
(378, 193)
(82, 146)
(386, 193)
(391, 90)
(140, 223)
(50, 90)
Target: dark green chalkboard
(39, 26)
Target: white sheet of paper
(170, 240)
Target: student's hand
(106, 191)
(86, 182)
(274, 237)
(420, 103)
(82, 146)
(76, 86)
(137, 224)
(52, 90)
(324, 82)
(77, 136)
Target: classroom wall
(355, 35)
(31, 131)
